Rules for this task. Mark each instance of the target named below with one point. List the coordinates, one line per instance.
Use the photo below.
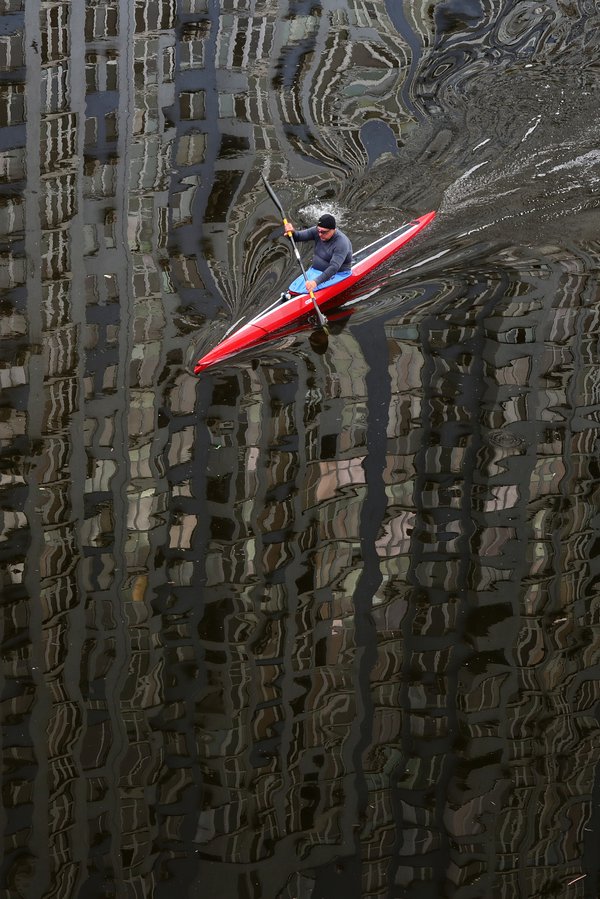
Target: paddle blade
(319, 341)
(273, 196)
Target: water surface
(324, 619)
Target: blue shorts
(299, 284)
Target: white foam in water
(312, 212)
(591, 158)
(471, 170)
(531, 129)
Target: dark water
(316, 623)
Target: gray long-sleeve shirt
(330, 256)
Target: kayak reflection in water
(332, 258)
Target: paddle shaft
(273, 195)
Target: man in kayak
(332, 258)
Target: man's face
(325, 233)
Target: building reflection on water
(315, 620)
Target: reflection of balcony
(336, 476)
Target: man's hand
(311, 285)
(288, 229)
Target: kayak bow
(280, 317)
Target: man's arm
(300, 236)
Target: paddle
(272, 194)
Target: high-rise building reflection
(265, 624)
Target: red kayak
(279, 317)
